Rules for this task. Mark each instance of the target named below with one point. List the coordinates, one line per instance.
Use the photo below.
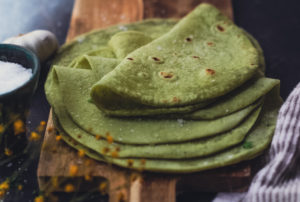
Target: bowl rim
(35, 69)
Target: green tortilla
(236, 100)
(258, 139)
(169, 142)
(124, 43)
(101, 65)
(189, 149)
(228, 104)
(197, 148)
(132, 131)
(107, 63)
(205, 33)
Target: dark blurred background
(276, 26)
(274, 23)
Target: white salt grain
(180, 122)
(159, 48)
(12, 76)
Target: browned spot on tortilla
(196, 56)
(220, 28)
(129, 58)
(167, 75)
(210, 43)
(155, 59)
(105, 150)
(143, 161)
(114, 154)
(98, 137)
(210, 71)
(188, 39)
(175, 99)
(109, 139)
(129, 162)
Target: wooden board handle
(93, 14)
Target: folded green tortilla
(195, 148)
(216, 109)
(138, 130)
(180, 68)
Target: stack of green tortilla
(165, 96)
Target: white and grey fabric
(279, 179)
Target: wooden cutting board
(57, 157)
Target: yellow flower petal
(87, 177)
(39, 199)
(19, 127)
(73, 170)
(1, 128)
(103, 187)
(81, 153)
(69, 188)
(43, 123)
(8, 152)
(20, 187)
(34, 136)
(58, 137)
(2, 193)
(4, 185)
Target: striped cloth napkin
(279, 179)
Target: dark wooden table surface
(274, 23)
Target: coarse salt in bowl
(22, 62)
(19, 74)
(12, 76)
